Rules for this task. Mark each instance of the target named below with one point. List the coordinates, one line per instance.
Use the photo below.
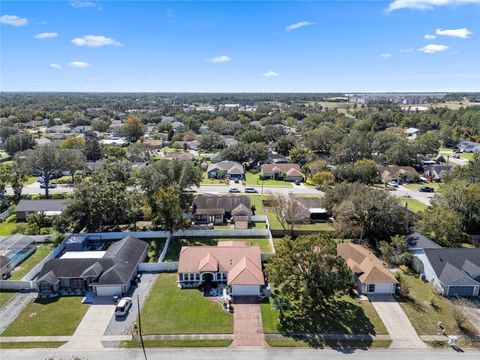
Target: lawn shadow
(337, 317)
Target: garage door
(245, 290)
(460, 291)
(109, 290)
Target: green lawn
(175, 246)
(31, 344)
(256, 200)
(177, 343)
(49, 317)
(275, 224)
(423, 316)
(28, 264)
(170, 310)
(343, 315)
(449, 151)
(207, 181)
(413, 204)
(5, 296)
(254, 179)
(8, 225)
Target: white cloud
(46, 35)
(463, 33)
(270, 74)
(82, 4)
(433, 48)
(79, 65)
(55, 66)
(13, 20)
(298, 25)
(95, 41)
(430, 37)
(220, 59)
(426, 4)
(406, 50)
(386, 56)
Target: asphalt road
(239, 354)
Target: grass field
(31, 344)
(28, 264)
(413, 204)
(177, 343)
(170, 310)
(5, 297)
(49, 317)
(449, 151)
(207, 181)
(254, 179)
(8, 225)
(423, 316)
(275, 224)
(343, 315)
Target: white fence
(17, 285)
(158, 267)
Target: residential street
(239, 354)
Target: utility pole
(140, 326)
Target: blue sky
(271, 46)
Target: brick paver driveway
(247, 320)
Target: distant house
(228, 169)
(153, 143)
(398, 173)
(451, 271)
(287, 172)
(49, 207)
(215, 158)
(274, 158)
(370, 276)
(219, 209)
(203, 129)
(43, 141)
(113, 141)
(229, 140)
(180, 156)
(232, 263)
(312, 209)
(412, 132)
(437, 172)
(469, 146)
(176, 125)
(104, 273)
(82, 129)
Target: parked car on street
(50, 186)
(426, 189)
(234, 190)
(251, 190)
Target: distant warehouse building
(50, 207)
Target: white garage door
(109, 290)
(384, 289)
(245, 290)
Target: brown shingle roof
(360, 260)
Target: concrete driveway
(398, 325)
(247, 323)
(93, 325)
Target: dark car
(50, 186)
(250, 190)
(426, 189)
(233, 190)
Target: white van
(123, 306)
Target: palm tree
(281, 305)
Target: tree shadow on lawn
(418, 307)
(338, 317)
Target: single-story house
(218, 209)
(469, 146)
(274, 158)
(229, 140)
(113, 141)
(287, 172)
(451, 271)
(436, 172)
(180, 156)
(412, 132)
(232, 263)
(108, 275)
(313, 209)
(370, 276)
(400, 174)
(153, 143)
(228, 169)
(50, 207)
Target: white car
(123, 306)
(393, 184)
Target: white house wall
(428, 271)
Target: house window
(45, 287)
(371, 288)
(192, 277)
(197, 277)
(78, 284)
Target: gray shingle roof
(417, 240)
(40, 205)
(225, 202)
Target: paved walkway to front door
(93, 325)
(398, 325)
(247, 323)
